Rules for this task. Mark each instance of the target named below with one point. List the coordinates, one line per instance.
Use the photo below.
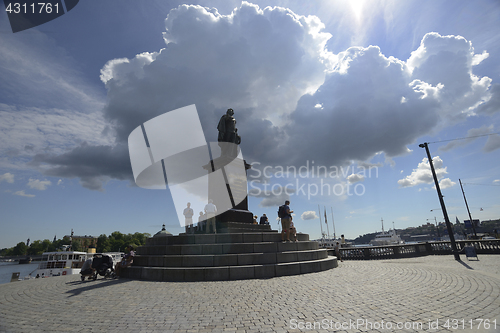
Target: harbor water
(7, 268)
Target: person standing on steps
(286, 217)
(188, 215)
(210, 210)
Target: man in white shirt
(210, 210)
(188, 215)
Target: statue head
(230, 112)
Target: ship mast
(382, 220)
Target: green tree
(48, 246)
(76, 245)
(36, 248)
(103, 244)
(20, 249)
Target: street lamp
(441, 201)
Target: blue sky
(345, 86)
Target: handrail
(486, 246)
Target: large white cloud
(293, 100)
(256, 61)
(372, 103)
(423, 174)
(448, 60)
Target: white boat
(386, 237)
(330, 243)
(60, 263)
(67, 262)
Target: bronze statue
(227, 128)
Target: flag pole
(326, 222)
(321, 224)
(333, 222)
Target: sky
(332, 99)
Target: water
(7, 268)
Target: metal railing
(417, 250)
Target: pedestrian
(201, 222)
(127, 260)
(337, 251)
(210, 210)
(188, 215)
(264, 219)
(87, 269)
(285, 214)
(293, 231)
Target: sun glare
(357, 8)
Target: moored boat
(60, 263)
(67, 262)
(330, 243)
(386, 237)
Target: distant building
(467, 223)
(85, 241)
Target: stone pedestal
(227, 187)
(231, 255)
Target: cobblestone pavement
(398, 295)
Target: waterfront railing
(417, 249)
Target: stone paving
(400, 295)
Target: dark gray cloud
(92, 164)
(493, 104)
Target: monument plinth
(239, 249)
(232, 170)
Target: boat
(330, 243)
(24, 261)
(386, 237)
(60, 263)
(67, 262)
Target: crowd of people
(206, 219)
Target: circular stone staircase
(238, 251)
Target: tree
(114, 243)
(36, 248)
(48, 246)
(20, 249)
(76, 245)
(103, 244)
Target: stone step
(222, 273)
(230, 225)
(237, 259)
(226, 248)
(242, 229)
(252, 237)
